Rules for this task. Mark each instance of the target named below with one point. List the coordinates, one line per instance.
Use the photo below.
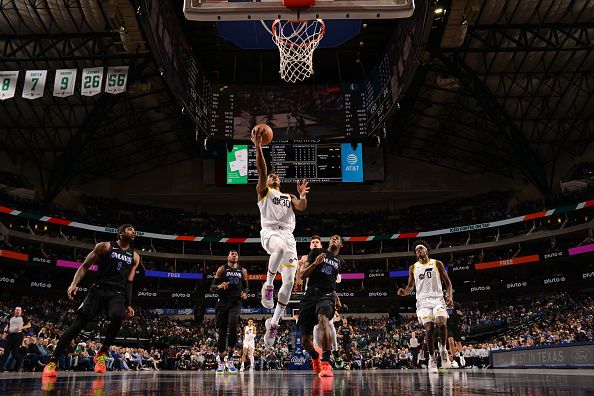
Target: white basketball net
(296, 41)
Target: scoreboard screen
(315, 162)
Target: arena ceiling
(108, 135)
(503, 86)
(508, 86)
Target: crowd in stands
(159, 342)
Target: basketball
(266, 132)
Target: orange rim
(304, 44)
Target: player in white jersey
(278, 222)
(426, 276)
(249, 344)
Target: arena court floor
(368, 382)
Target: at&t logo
(352, 163)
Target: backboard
(223, 10)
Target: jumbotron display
(316, 162)
(297, 113)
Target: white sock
(278, 311)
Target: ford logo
(582, 355)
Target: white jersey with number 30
(427, 280)
(276, 210)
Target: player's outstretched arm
(301, 202)
(260, 166)
(100, 249)
(411, 283)
(449, 297)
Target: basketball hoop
(296, 40)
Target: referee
(14, 339)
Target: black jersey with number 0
(233, 277)
(324, 275)
(115, 266)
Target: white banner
(91, 81)
(8, 82)
(64, 82)
(34, 84)
(117, 77)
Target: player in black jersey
(345, 333)
(111, 292)
(454, 337)
(231, 283)
(317, 306)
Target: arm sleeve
(215, 283)
(245, 284)
(128, 294)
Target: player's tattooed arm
(411, 283)
(100, 249)
(217, 282)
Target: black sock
(315, 355)
(326, 356)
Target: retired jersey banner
(92, 78)
(117, 77)
(8, 82)
(34, 84)
(64, 82)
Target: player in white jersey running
(278, 222)
(249, 344)
(426, 276)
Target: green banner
(237, 165)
